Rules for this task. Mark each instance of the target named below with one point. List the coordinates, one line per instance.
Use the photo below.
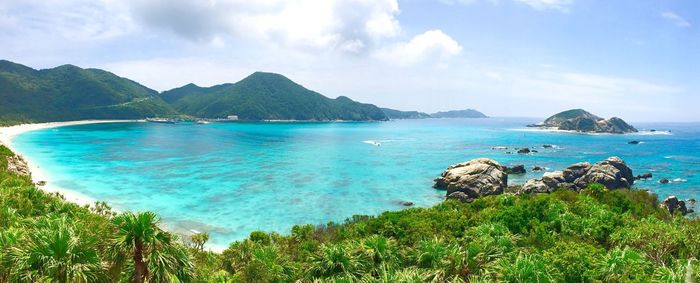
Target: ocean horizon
(229, 179)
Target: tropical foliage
(591, 236)
(43, 238)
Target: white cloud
(561, 5)
(675, 19)
(348, 25)
(79, 20)
(432, 44)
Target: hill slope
(71, 93)
(267, 96)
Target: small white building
(232, 117)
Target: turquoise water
(232, 178)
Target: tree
(103, 209)
(154, 253)
(55, 252)
(199, 240)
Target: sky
(635, 59)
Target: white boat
(202, 122)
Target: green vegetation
(570, 114)
(267, 96)
(592, 236)
(71, 93)
(398, 114)
(467, 113)
(43, 238)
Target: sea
(229, 179)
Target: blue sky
(635, 59)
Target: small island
(466, 113)
(580, 120)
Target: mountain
(398, 114)
(267, 96)
(71, 93)
(467, 113)
(583, 121)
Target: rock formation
(674, 205)
(480, 177)
(17, 165)
(643, 176)
(613, 173)
(469, 180)
(582, 121)
(517, 169)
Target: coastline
(7, 134)
(556, 130)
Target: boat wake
(373, 142)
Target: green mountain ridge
(68, 92)
(267, 96)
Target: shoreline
(556, 130)
(7, 134)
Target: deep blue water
(232, 178)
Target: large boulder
(516, 170)
(612, 173)
(673, 204)
(535, 186)
(575, 171)
(17, 165)
(473, 179)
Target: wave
(652, 133)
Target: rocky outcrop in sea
(583, 121)
(613, 173)
(476, 178)
(481, 177)
(674, 205)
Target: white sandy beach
(8, 133)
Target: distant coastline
(7, 134)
